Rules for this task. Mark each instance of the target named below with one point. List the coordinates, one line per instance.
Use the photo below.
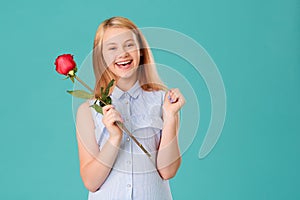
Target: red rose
(64, 64)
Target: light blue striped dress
(134, 176)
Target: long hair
(147, 73)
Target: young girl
(112, 166)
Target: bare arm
(95, 165)
(168, 157)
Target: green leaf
(102, 94)
(110, 84)
(103, 97)
(97, 108)
(81, 94)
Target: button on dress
(134, 176)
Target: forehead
(117, 35)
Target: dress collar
(134, 91)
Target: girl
(112, 166)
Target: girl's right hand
(110, 116)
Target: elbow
(170, 171)
(167, 175)
(90, 187)
(89, 184)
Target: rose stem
(122, 127)
(83, 83)
(119, 124)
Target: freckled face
(121, 52)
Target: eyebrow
(113, 43)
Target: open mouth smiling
(124, 64)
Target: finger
(114, 118)
(110, 119)
(173, 97)
(114, 115)
(105, 109)
(181, 100)
(170, 96)
(176, 92)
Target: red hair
(147, 73)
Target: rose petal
(65, 63)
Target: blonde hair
(147, 73)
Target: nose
(122, 53)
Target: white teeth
(123, 63)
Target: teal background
(255, 45)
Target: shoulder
(84, 110)
(84, 107)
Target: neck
(126, 83)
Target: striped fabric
(133, 175)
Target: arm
(168, 157)
(95, 165)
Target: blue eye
(130, 45)
(112, 48)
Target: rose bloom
(64, 64)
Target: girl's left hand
(173, 102)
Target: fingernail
(169, 97)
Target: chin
(126, 75)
